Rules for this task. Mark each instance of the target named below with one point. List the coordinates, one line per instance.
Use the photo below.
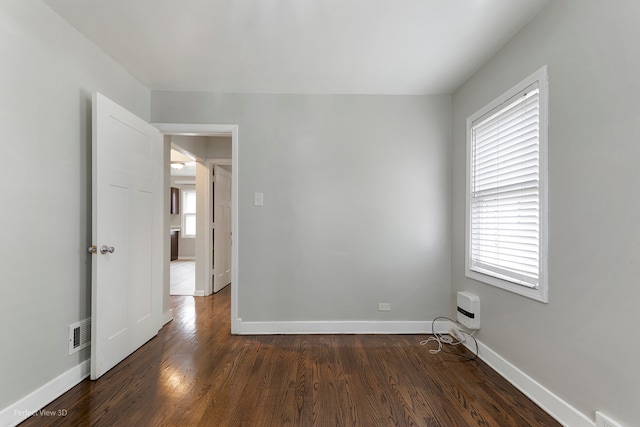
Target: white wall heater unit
(469, 310)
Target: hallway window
(506, 205)
(189, 213)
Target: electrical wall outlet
(384, 306)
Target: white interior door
(222, 224)
(127, 218)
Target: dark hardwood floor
(194, 373)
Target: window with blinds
(188, 213)
(507, 174)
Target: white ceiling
(300, 46)
(189, 168)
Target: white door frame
(187, 129)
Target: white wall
(219, 147)
(47, 75)
(583, 344)
(195, 145)
(203, 248)
(356, 202)
(205, 147)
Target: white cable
(447, 338)
(436, 339)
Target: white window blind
(505, 190)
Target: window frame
(541, 292)
(184, 214)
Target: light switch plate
(258, 199)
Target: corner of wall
(31, 404)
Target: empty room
(402, 213)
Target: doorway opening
(205, 165)
(182, 219)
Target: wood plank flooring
(194, 373)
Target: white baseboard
(186, 258)
(197, 293)
(33, 402)
(564, 413)
(337, 327)
(167, 317)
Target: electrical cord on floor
(449, 340)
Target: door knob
(104, 249)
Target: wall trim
(552, 404)
(198, 293)
(186, 258)
(29, 405)
(340, 327)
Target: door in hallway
(222, 229)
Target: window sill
(539, 294)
